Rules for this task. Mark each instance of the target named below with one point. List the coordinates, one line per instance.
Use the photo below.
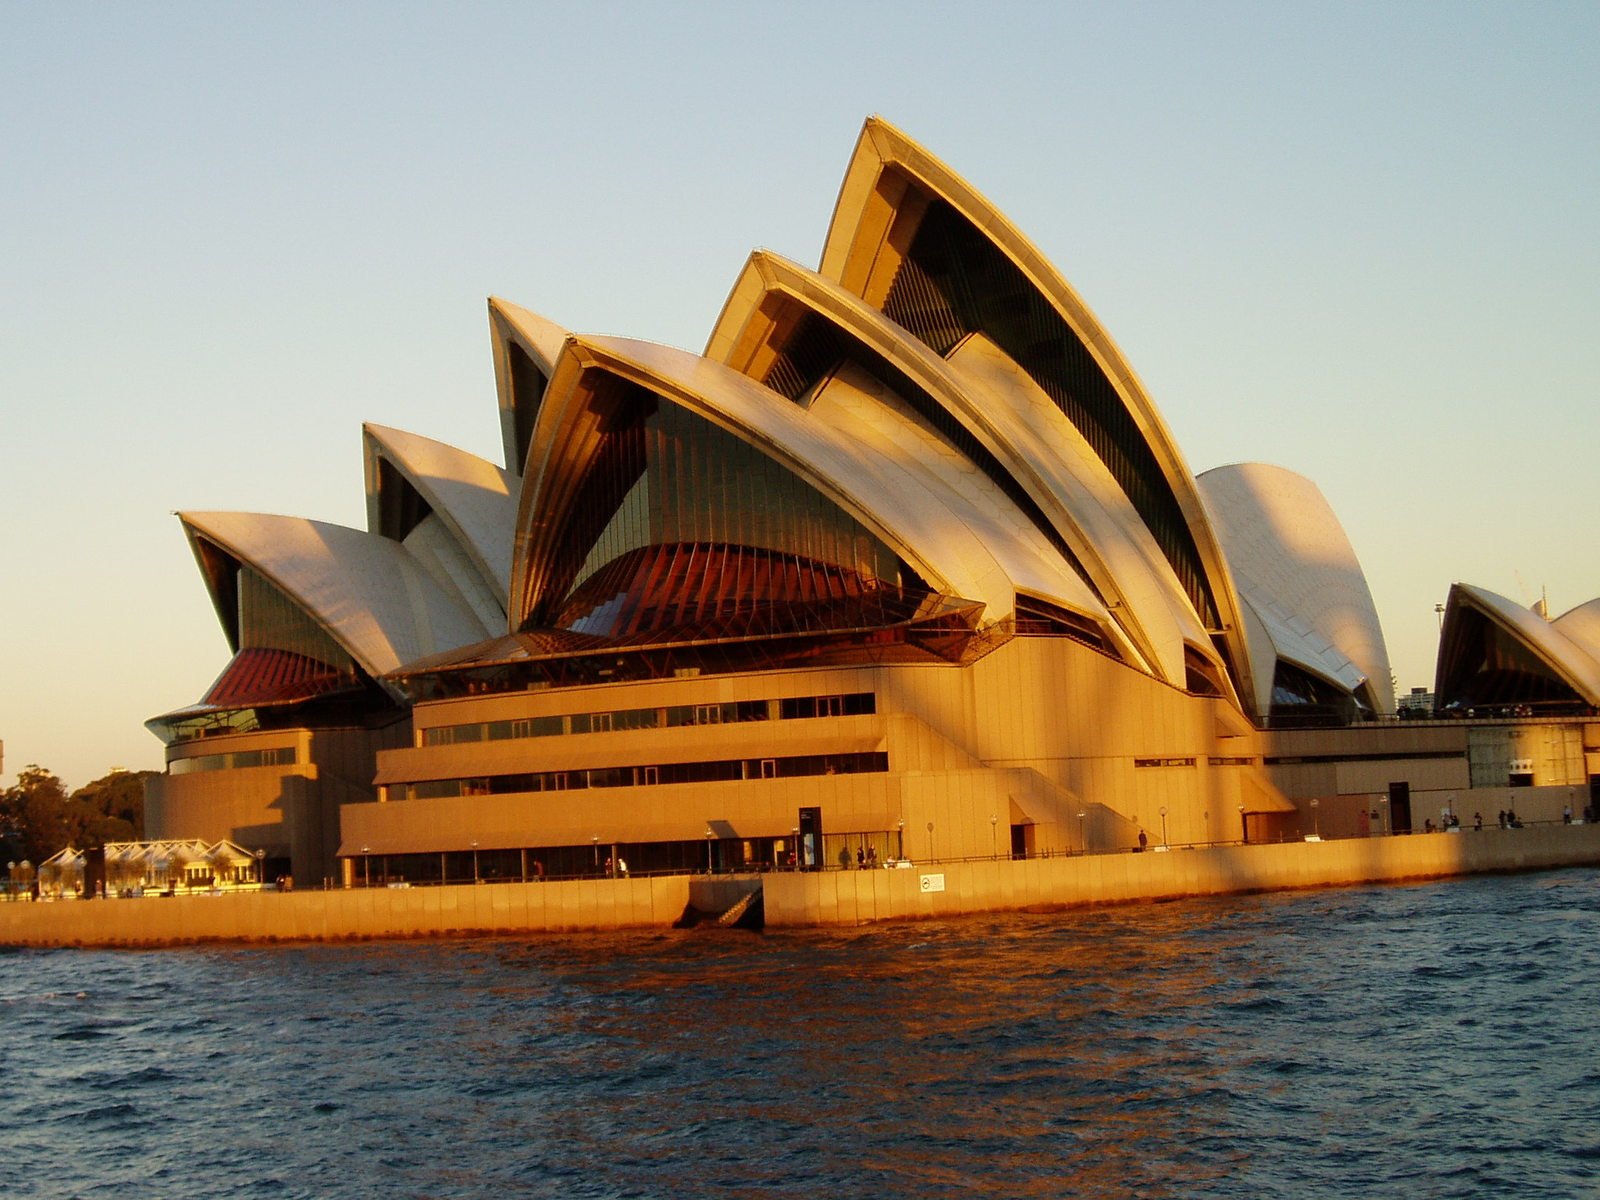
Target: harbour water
(1429, 1041)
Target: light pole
(1316, 824)
(709, 836)
(901, 824)
(1163, 824)
(994, 847)
(366, 866)
(1383, 807)
(261, 874)
(595, 840)
(930, 842)
(474, 862)
(1244, 828)
(1083, 836)
(794, 847)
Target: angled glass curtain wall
(271, 620)
(1483, 665)
(692, 525)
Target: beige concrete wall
(1071, 721)
(289, 811)
(795, 899)
(857, 897)
(342, 915)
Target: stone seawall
(510, 908)
(855, 897)
(793, 899)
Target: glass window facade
(648, 775)
(692, 524)
(276, 757)
(270, 620)
(792, 708)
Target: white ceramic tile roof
(1581, 625)
(862, 409)
(1147, 597)
(472, 497)
(368, 592)
(1293, 563)
(862, 219)
(1568, 657)
(541, 339)
(888, 496)
(1005, 411)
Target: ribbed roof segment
(1295, 567)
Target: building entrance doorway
(810, 852)
(1400, 807)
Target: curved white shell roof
(890, 497)
(540, 339)
(1569, 658)
(1293, 564)
(862, 254)
(474, 499)
(1581, 626)
(368, 592)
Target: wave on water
(1370, 1042)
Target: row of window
(1163, 762)
(278, 757)
(725, 770)
(793, 708)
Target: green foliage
(38, 817)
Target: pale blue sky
(1358, 241)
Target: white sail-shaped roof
(366, 591)
(525, 347)
(1294, 566)
(1581, 626)
(1567, 658)
(878, 489)
(472, 499)
(890, 189)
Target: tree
(38, 818)
(111, 809)
(33, 816)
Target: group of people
(866, 859)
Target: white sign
(933, 883)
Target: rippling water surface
(1422, 1041)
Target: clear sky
(1358, 241)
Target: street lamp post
(901, 825)
(474, 862)
(1083, 835)
(794, 847)
(994, 847)
(261, 874)
(1244, 828)
(1316, 821)
(709, 836)
(930, 842)
(595, 841)
(366, 866)
(1163, 824)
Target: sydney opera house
(904, 564)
